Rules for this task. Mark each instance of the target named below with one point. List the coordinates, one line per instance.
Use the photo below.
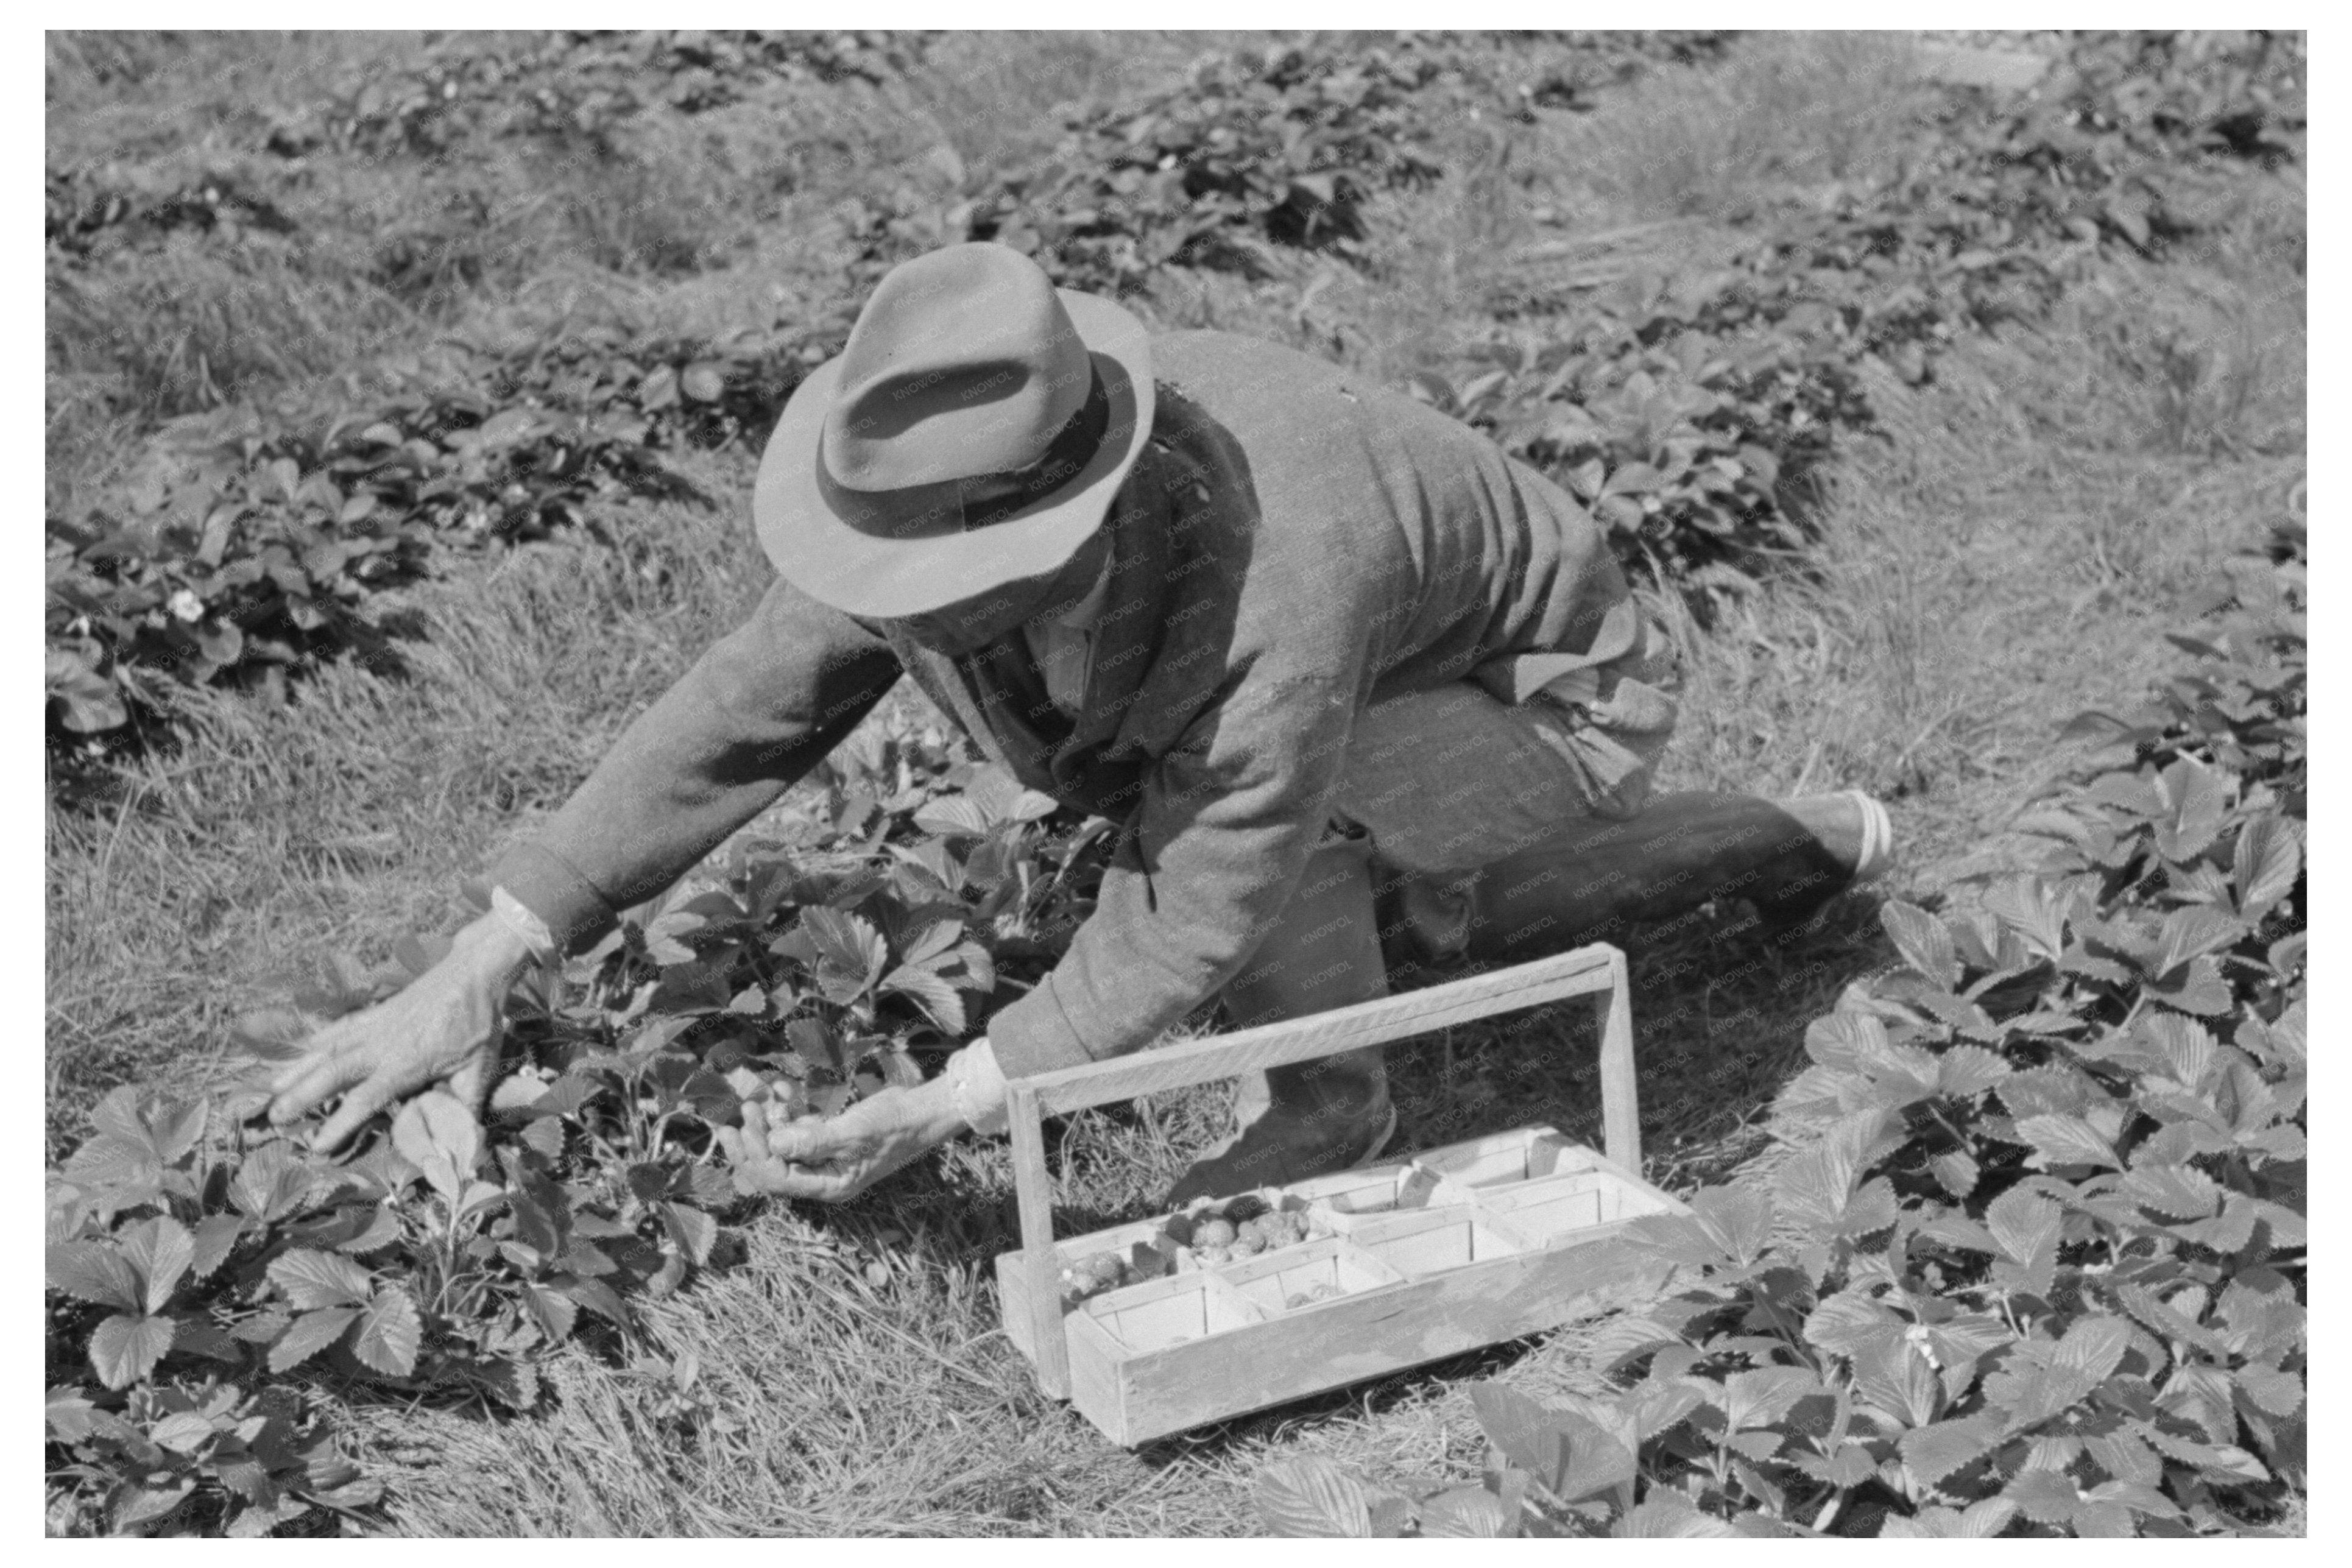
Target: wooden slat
(1333, 1344)
(1621, 1119)
(1586, 970)
(1034, 1190)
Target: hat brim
(862, 574)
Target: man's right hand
(443, 1029)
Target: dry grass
(1785, 113)
(2009, 553)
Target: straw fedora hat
(967, 375)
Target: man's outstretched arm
(756, 711)
(761, 708)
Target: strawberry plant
(88, 212)
(566, 85)
(1261, 151)
(205, 1283)
(250, 543)
(1282, 149)
(2036, 1262)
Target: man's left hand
(835, 1160)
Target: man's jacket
(1294, 545)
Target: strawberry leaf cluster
(2035, 1262)
(247, 546)
(573, 86)
(205, 1293)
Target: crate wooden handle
(1598, 968)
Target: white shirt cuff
(976, 1086)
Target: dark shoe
(1279, 1148)
(1797, 891)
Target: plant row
(211, 1285)
(2036, 1262)
(573, 86)
(1685, 410)
(248, 544)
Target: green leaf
(1659, 1405)
(88, 701)
(2268, 859)
(850, 951)
(817, 1045)
(95, 1272)
(940, 1000)
(1738, 1219)
(1849, 1466)
(308, 1334)
(933, 941)
(2033, 911)
(439, 1136)
(2027, 1227)
(161, 1249)
(310, 1279)
(596, 1295)
(1935, 1451)
(1922, 940)
(2196, 804)
(2179, 1191)
(1310, 1496)
(1981, 1522)
(694, 1231)
(1895, 1376)
(125, 1348)
(135, 1505)
(1956, 1172)
(2273, 1391)
(1761, 1396)
(69, 1415)
(953, 816)
(1963, 1072)
(1844, 1324)
(1625, 1338)
(182, 1432)
(2047, 1497)
(2061, 1141)
(272, 1182)
(2190, 932)
(389, 1333)
(1572, 1458)
(2260, 1308)
(555, 1314)
(172, 1127)
(2199, 990)
(1845, 1040)
(127, 1168)
(1465, 1512)
(1666, 1517)
(215, 1238)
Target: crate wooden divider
(1382, 1250)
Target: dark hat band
(927, 511)
(1066, 457)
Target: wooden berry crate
(1409, 1261)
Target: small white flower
(186, 606)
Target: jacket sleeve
(1222, 835)
(758, 709)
